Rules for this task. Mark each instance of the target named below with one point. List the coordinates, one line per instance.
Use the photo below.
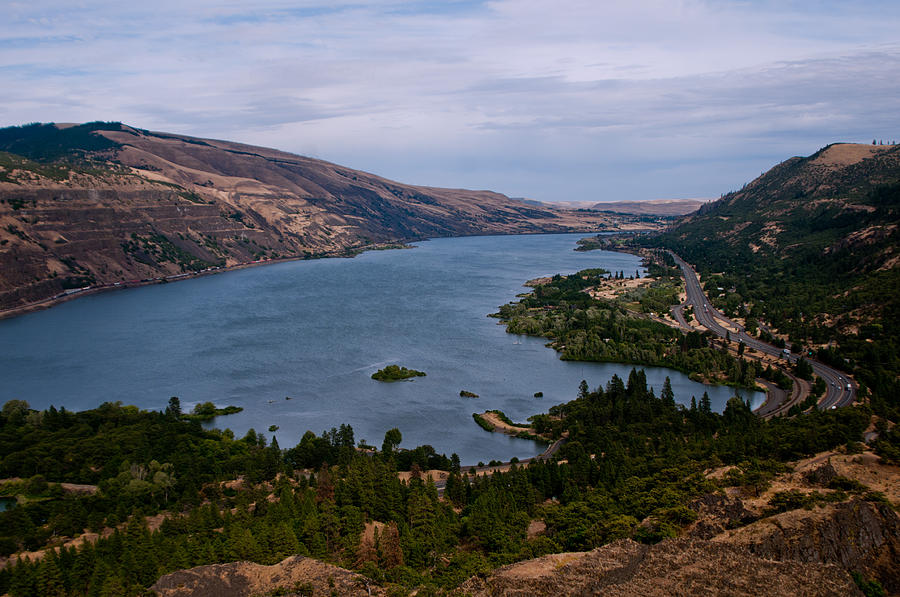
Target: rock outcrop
(296, 575)
(673, 567)
(716, 513)
(857, 535)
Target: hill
(811, 248)
(104, 203)
(654, 207)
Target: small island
(396, 373)
(467, 394)
(207, 411)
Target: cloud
(646, 99)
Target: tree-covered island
(396, 373)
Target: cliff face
(675, 567)
(859, 536)
(96, 204)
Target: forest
(584, 328)
(827, 279)
(630, 456)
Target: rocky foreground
(296, 575)
(674, 567)
(731, 550)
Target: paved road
(837, 382)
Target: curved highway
(840, 388)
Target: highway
(836, 393)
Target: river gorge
(295, 344)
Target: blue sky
(575, 100)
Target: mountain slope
(652, 207)
(100, 203)
(812, 247)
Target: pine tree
(49, 577)
(667, 395)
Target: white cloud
(643, 99)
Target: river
(314, 332)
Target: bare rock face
(716, 513)
(296, 575)
(674, 567)
(856, 535)
(821, 475)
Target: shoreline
(72, 294)
(346, 253)
(776, 401)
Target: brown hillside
(296, 575)
(675, 567)
(655, 207)
(156, 205)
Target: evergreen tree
(667, 395)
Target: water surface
(315, 331)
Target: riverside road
(837, 382)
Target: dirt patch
(841, 155)
(502, 426)
(435, 474)
(866, 468)
(294, 575)
(612, 289)
(535, 528)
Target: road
(836, 393)
(441, 484)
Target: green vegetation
(156, 248)
(207, 411)
(396, 373)
(502, 416)
(630, 456)
(47, 143)
(586, 329)
(482, 422)
(10, 162)
(809, 252)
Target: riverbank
(75, 293)
(778, 400)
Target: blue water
(315, 331)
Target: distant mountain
(653, 207)
(100, 203)
(813, 247)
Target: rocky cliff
(859, 536)
(675, 567)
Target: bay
(314, 332)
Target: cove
(314, 332)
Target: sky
(571, 100)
